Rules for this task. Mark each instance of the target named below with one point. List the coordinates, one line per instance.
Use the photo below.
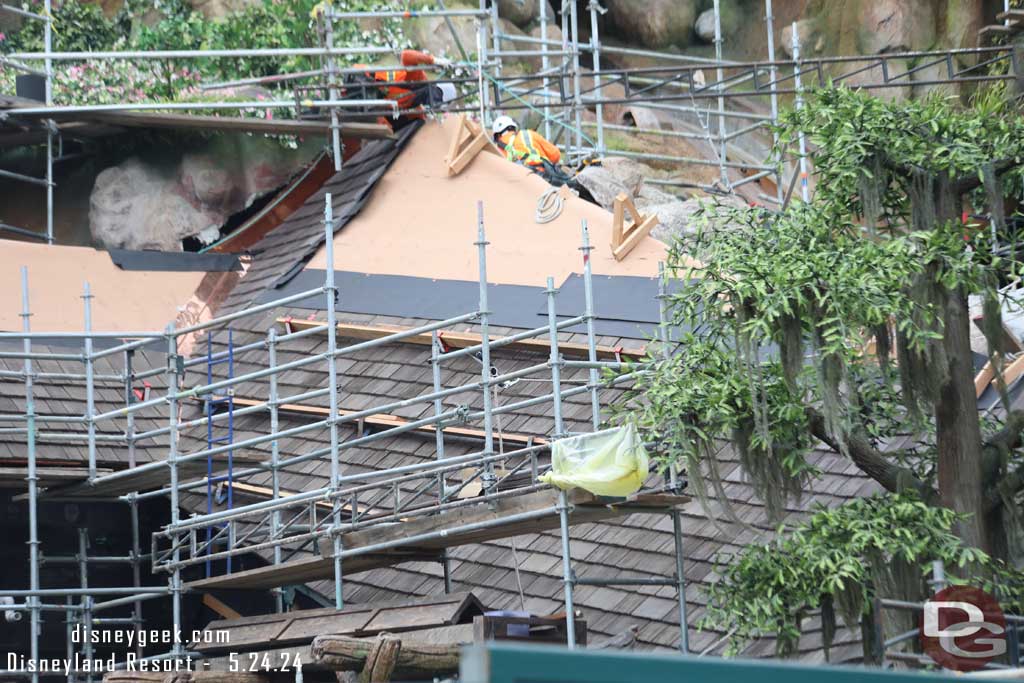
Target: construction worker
(529, 148)
(411, 88)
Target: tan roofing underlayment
(124, 300)
(421, 222)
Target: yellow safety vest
(526, 153)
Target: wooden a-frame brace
(626, 237)
(469, 139)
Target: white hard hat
(503, 123)
(448, 92)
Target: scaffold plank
(387, 420)
(145, 479)
(461, 340)
(431, 535)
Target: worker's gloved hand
(442, 62)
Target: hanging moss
(791, 349)
(829, 367)
(922, 200)
(871, 186)
(883, 346)
(828, 625)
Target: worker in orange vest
(529, 148)
(411, 88)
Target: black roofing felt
(183, 261)
(632, 310)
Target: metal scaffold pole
(481, 58)
(773, 74)
(545, 65)
(172, 462)
(555, 361)
(588, 292)
(133, 503)
(485, 348)
(332, 88)
(50, 125)
(275, 457)
(577, 98)
(435, 369)
(32, 477)
(720, 87)
(331, 296)
(563, 72)
(83, 578)
(805, 191)
(595, 47)
(90, 405)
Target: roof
(124, 300)
(421, 222)
(637, 545)
(373, 211)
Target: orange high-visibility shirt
(396, 92)
(527, 144)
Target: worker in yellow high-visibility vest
(529, 148)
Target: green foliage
(77, 26)
(838, 561)
(778, 311)
(270, 24)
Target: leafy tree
(779, 315)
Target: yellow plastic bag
(612, 462)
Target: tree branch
(969, 182)
(872, 462)
(996, 448)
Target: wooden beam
(460, 340)
(467, 141)
(133, 119)
(983, 378)
(636, 233)
(626, 237)
(220, 607)
(457, 532)
(386, 420)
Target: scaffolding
(320, 521)
(722, 111)
(726, 106)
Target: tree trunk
(958, 429)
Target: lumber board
(983, 378)
(468, 153)
(387, 420)
(586, 508)
(146, 480)
(14, 477)
(460, 340)
(220, 607)
(635, 234)
(1011, 15)
(168, 121)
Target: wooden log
(412, 659)
(185, 677)
(382, 660)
